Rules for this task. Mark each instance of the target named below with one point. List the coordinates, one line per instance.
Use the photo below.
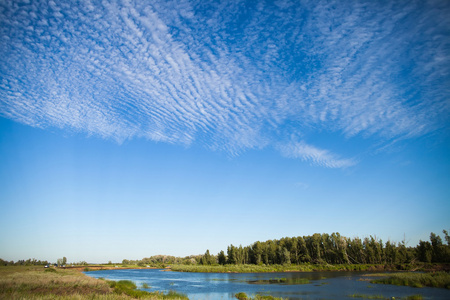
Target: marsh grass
(367, 296)
(37, 283)
(362, 296)
(249, 268)
(284, 281)
(244, 296)
(437, 279)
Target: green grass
(243, 296)
(437, 279)
(249, 268)
(367, 296)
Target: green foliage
(208, 259)
(222, 259)
(129, 288)
(241, 296)
(333, 249)
(174, 295)
(250, 268)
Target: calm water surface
(314, 285)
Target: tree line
(22, 262)
(316, 249)
(332, 249)
(35, 262)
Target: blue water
(322, 285)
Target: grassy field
(37, 283)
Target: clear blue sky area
(130, 129)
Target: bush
(51, 270)
(241, 296)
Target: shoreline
(99, 267)
(275, 268)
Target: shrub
(241, 296)
(50, 270)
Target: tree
(424, 251)
(438, 247)
(222, 258)
(256, 253)
(231, 252)
(64, 260)
(207, 259)
(447, 237)
(285, 256)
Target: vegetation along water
(275, 263)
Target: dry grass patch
(37, 283)
(20, 283)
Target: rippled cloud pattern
(228, 75)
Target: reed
(436, 279)
(250, 268)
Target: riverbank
(88, 268)
(38, 283)
(308, 268)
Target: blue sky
(135, 128)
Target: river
(289, 285)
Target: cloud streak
(315, 155)
(230, 76)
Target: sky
(136, 128)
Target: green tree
(285, 256)
(256, 256)
(436, 244)
(231, 253)
(424, 251)
(447, 237)
(222, 258)
(207, 259)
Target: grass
(285, 281)
(249, 268)
(367, 296)
(436, 279)
(243, 296)
(37, 283)
(362, 296)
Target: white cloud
(314, 155)
(229, 76)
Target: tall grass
(274, 268)
(244, 296)
(437, 279)
(37, 283)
